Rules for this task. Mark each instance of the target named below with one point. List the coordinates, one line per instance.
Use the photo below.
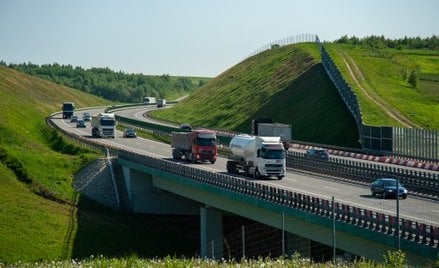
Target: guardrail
(411, 231)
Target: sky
(190, 37)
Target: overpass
(156, 185)
(161, 186)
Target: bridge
(158, 185)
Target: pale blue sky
(190, 37)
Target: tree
(413, 79)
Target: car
(81, 123)
(86, 117)
(129, 133)
(318, 153)
(386, 187)
(186, 126)
(74, 119)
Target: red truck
(195, 146)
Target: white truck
(149, 100)
(103, 125)
(161, 103)
(257, 156)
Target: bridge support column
(211, 228)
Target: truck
(149, 100)
(161, 103)
(195, 146)
(103, 125)
(265, 127)
(68, 109)
(257, 156)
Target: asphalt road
(414, 208)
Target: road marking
(330, 188)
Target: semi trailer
(265, 127)
(257, 156)
(195, 146)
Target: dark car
(186, 126)
(386, 187)
(80, 123)
(74, 119)
(318, 153)
(129, 133)
(86, 117)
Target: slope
(287, 84)
(41, 217)
(380, 79)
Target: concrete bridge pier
(211, 227)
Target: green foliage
(396, 259)
(115, 86)
(380, 42)
(413, 79)
(287, 84)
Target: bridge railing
(410, 230)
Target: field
(381, 73)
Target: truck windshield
(272, 154)
(68, 107)
(107, 122)
(206, 142)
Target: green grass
(287, 84)
(382, 70)
(41, 216)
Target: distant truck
(149, 100)
(265, 127)
(195, 146)
(161, 103)
(68, 109)
(257, 156)
(103, 125)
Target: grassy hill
(287, 84)
(41, 217)
(383, 74)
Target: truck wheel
(231, 167)
(279, 177)
(212, 162)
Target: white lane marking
(331, 188)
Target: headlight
(389, 190)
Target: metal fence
(407, 142)
(301, 38)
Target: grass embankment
(381, 73)
(287, 84)
(41, 216)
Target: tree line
(111, 85)
(378, 42)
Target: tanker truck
(103, 125)
(257, 156)
(194, 146)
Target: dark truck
(68, 108)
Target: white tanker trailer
(257, 156)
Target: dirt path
(358, 75)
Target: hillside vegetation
(111, 85)
(41, 216)
(381, 78)
(287, 84)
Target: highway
(413, 208)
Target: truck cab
(68, 109)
